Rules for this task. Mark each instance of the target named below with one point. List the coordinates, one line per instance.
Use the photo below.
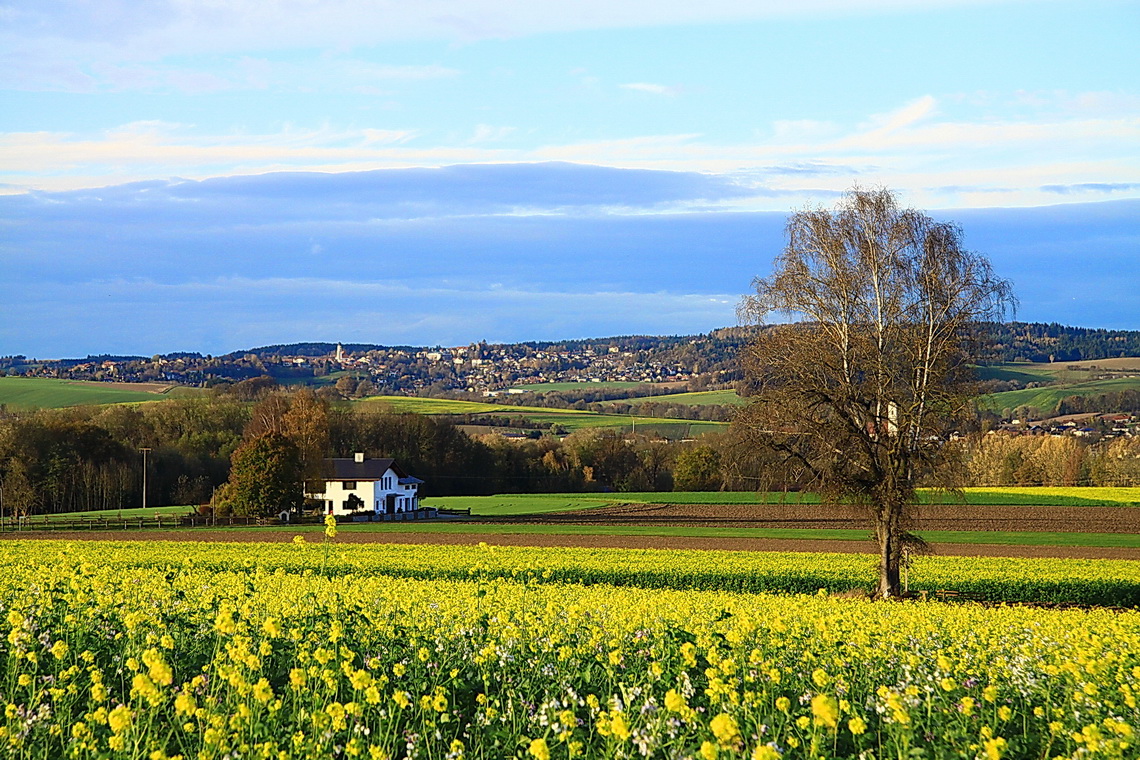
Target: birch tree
(869, 367)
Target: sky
(212, 176)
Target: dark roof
(369, 469)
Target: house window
(350, 485)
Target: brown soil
(274, 535)
(934, 517)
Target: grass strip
(521, 504)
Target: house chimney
(359, 457)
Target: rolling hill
(48, 393)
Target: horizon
(367, 346)
(430, 174)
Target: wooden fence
(111, 522)
(163, 522)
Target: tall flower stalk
(330, 534)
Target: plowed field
(933, 517)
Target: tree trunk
(889, 534)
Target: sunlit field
(311, 650)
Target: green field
(1046, 398)
(550, 387)
(506, 505)
(49, 393)
(1069, 378)
(1022, 372)
(695, 398)
(114, 514)
(520, 504)
(571, 419)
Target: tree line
(90, 458)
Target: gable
(369, 469)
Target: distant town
(1036, 379)
(487, 369)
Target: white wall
(374, 494)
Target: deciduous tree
(697, 469)
(873, 367)
(265, 477)
(306, 424)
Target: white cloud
(913, 146)
(900, 118)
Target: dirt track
(276, 535)
(935, 517)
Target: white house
(368, 485)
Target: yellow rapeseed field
(1096, 581)
(205, 653)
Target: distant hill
(1008, 342)
(1038, 342)
(310, 349)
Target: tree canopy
(265, 477)
(872, 369)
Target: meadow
(49, 393)
(311, 651)
(575, 386)
(522, 504)
(506, 505)
(1047, 397)
(693, 398)
(569, 419)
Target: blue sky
(181, 175)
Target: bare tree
(873, 366)
(306, 423)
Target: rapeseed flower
(538, 749)
(725, 729)
(825, 710)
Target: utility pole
(144, 451)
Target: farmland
(514, 504)
(576, 386)
(157, 650)
(1084, 378)
(695, 398)
(569, 419)
(1047, 397)
(47, 393)
(1089, 522)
